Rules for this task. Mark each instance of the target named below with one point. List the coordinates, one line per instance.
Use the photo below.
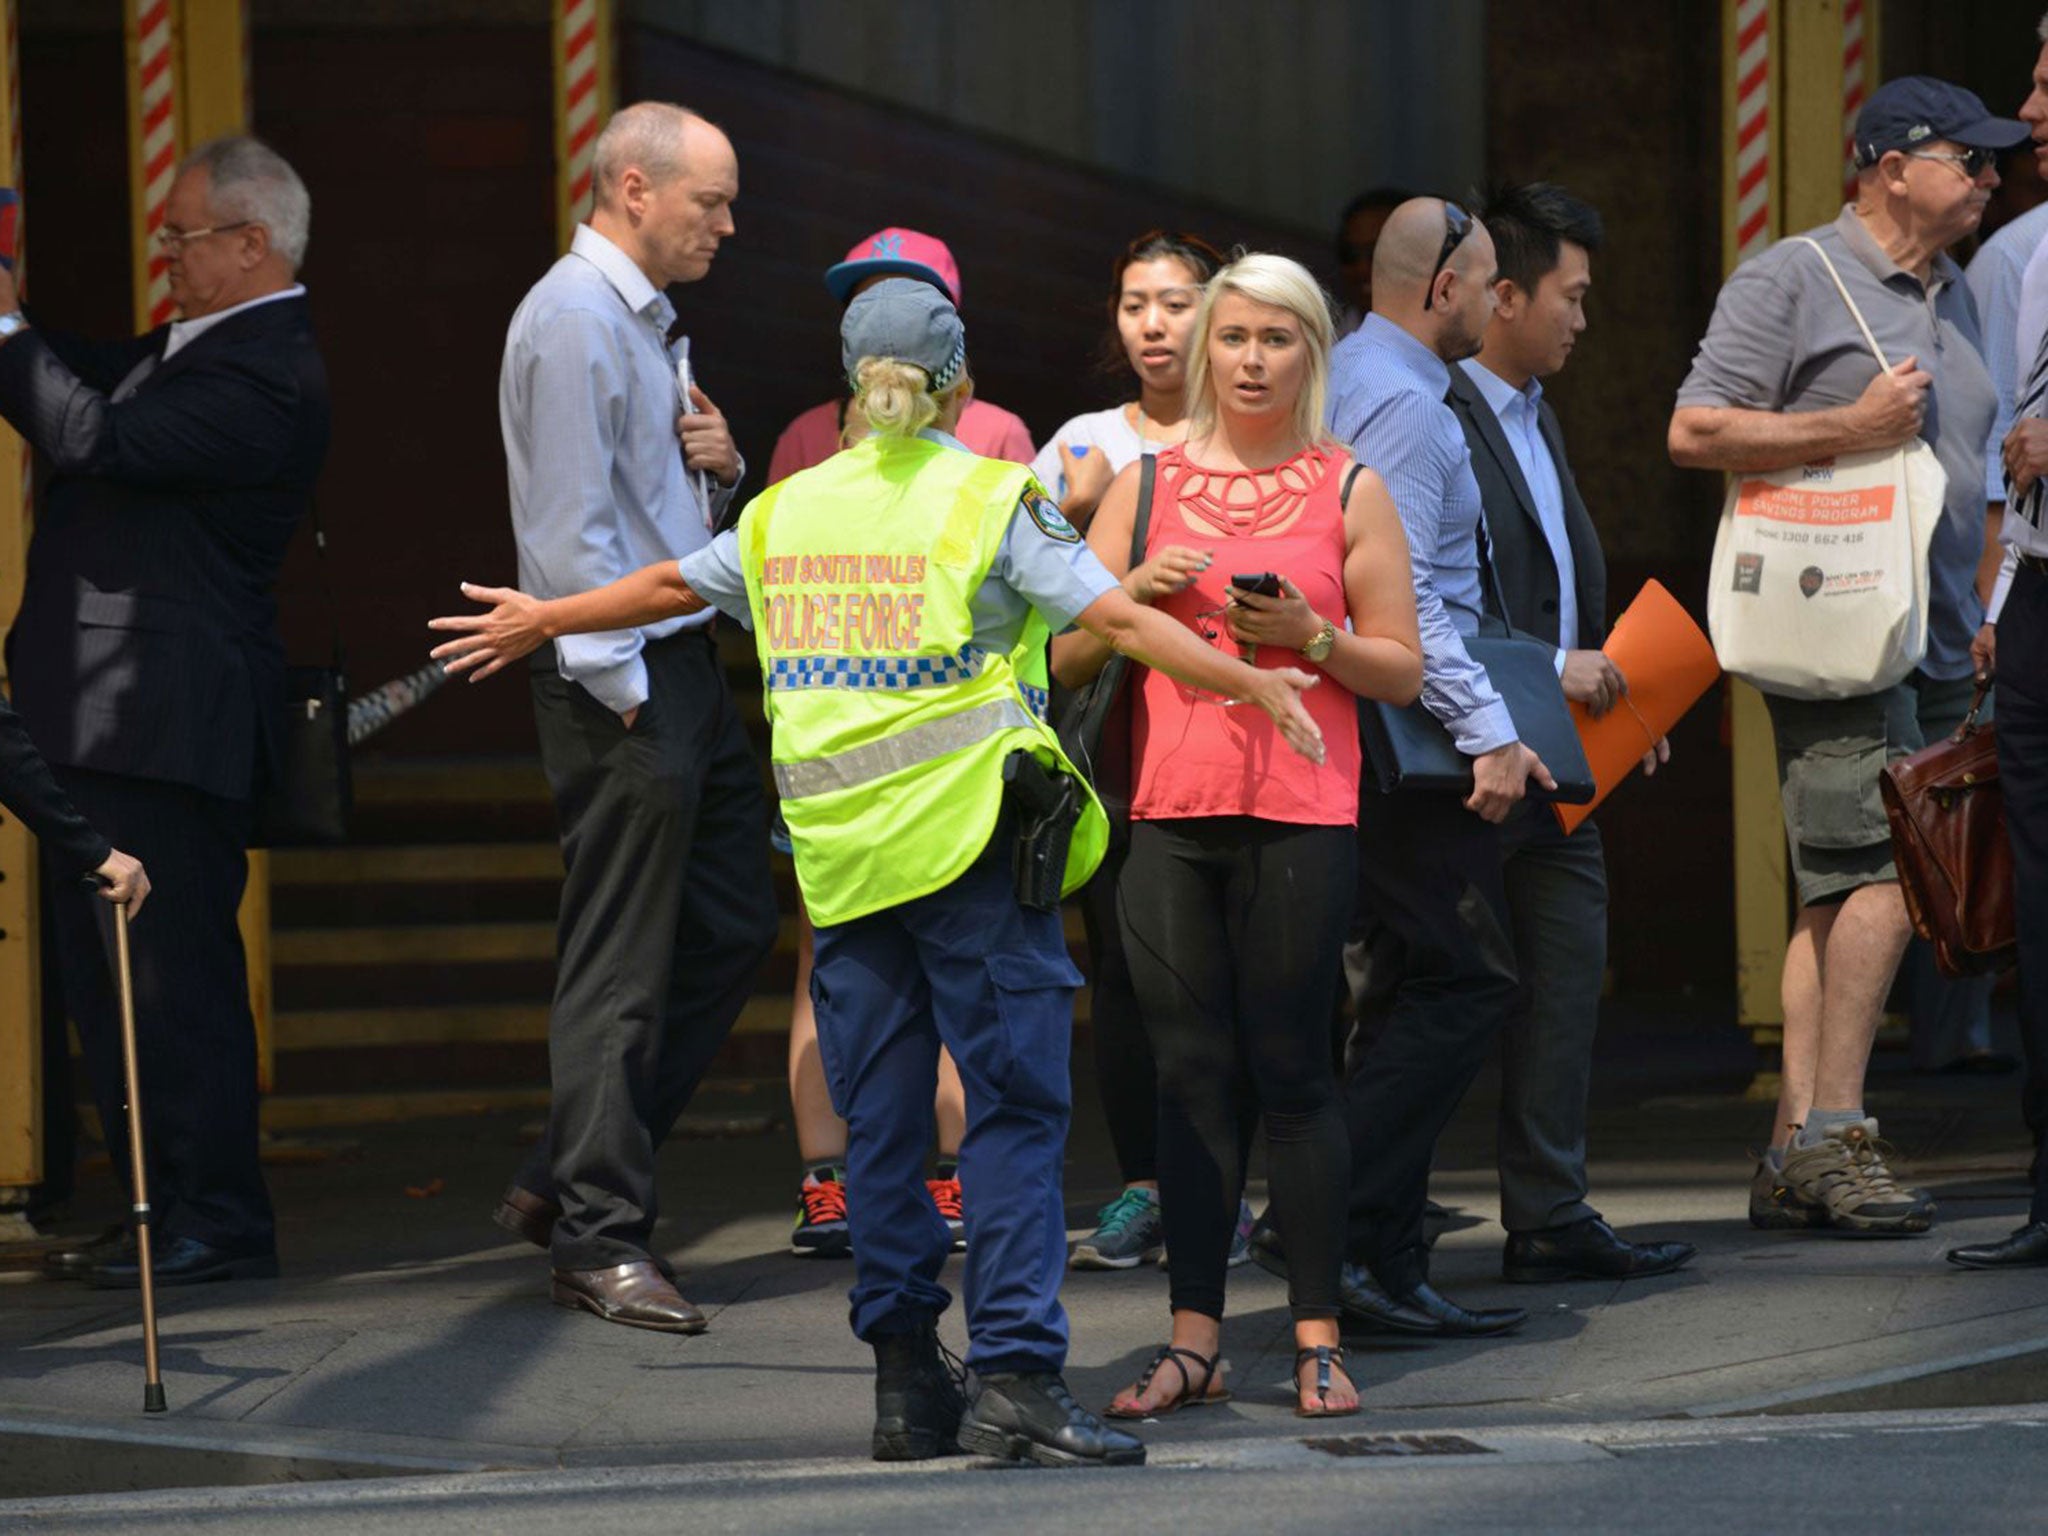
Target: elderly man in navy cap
(1784, 377)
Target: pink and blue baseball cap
(896, 253)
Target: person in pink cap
(821, 1230)
(823, 430)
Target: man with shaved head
(1434, 931)
(666, 905)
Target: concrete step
(416, 864)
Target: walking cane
(152, 1376)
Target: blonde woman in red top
(1237, 893)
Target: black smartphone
(1265, 583)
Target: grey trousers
(1557, 899)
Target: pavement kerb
(1499, 1447)
(1848, 1390)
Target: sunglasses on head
(1457, 225)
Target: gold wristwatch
(1318, 650)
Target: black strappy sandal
(1325, 1357)
(1187, 1397)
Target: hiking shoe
(1845, 1172)
(821, 1231)
(946, 1196)
(1129, 1231)
(1775, 1207)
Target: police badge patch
(1050, 521)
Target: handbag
(307, 797)
(1094, 726)
(1818, 587)
(1407, 747)
(1947, 816)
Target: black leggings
(1233, 928)
(1124, 1073)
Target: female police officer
(894, 591)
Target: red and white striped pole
(583, 102)
(1855, 87)
(1755, 140)
(152, 28)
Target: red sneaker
(945, 1195)
(821, 1231)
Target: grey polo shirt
(1782, 340)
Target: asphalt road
(1938, 1471)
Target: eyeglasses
(177, 239)
(1457, 225)
(1973, 162)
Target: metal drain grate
(1399, 1445)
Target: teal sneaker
(1129, 1231)
(1240, 1238)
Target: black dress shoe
(2025, 1249)
(182, 1261)
(1587, 1250)
(1031, 1416)
(1363, 1305)
(76, 1261)
(1456, 1322)
(1266, 1251)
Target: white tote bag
(1818, 588)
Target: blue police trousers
(969, 968)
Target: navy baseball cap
(1914, 110)
(909, 320)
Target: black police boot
(1031, 1416)
(918, 1400)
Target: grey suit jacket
(1521, 552)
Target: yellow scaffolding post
(582, 48)
(1751, 76)
(21, 1056)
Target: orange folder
(1669, 663)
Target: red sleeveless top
(1191, 754)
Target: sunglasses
(1972, 162)
(1457, 225)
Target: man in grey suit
(1552, 577)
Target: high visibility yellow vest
(890, 725)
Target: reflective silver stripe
(906, 749)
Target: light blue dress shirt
(1522, 426)
(1994, 276)
(587, 401)
(1387, 403)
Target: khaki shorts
(1830, 752)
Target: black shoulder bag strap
(1148, 469)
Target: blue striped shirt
(1387, 402)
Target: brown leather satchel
(1948, 840)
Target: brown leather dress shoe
(636, 1294)
(527, 1215)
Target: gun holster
(1046, 804)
